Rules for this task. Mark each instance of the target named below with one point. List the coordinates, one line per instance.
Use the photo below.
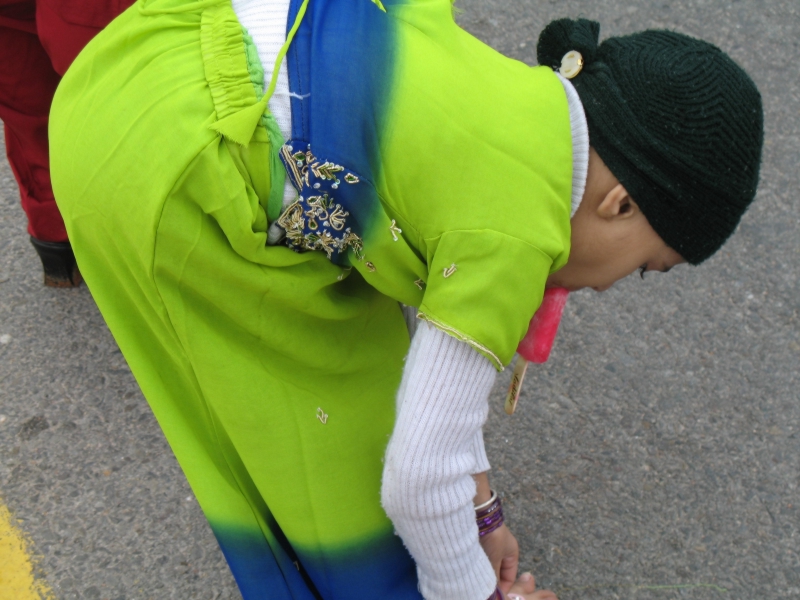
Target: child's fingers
(508, 571)
(524, 588)
(525, 584)
(540, 595)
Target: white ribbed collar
(580, 143)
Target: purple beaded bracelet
(489, 515)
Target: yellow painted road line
(17, 581)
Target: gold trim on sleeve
(464, 338)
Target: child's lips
(602, 288)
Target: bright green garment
(495, 204)
(463, 159)
(273, 373)
(241, 350)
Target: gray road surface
(655, 456)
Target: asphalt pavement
(655, 456)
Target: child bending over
(255, 190)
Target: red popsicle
(537, 343)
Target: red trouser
(39, 39)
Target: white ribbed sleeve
(266, 24)
(436, 446)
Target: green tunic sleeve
(474, 274)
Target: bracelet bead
(489, 515)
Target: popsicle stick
(516, 385)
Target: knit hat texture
(679, 124)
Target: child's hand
(524, 588)
(503, 551)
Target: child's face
(611, 237)
(605, 251)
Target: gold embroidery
(327, 242)
(326, 170)
(323, 418)
(291, 161)
(370, 266)
(450, 270)
(320, 208)
(292, 219)
(301, 162)
(419, 283)
(306, 161)
(311, 223)
(353, 241)
(395, 230)
(337, 218)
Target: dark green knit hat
(675, 119)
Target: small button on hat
(571, 64)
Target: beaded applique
(448, 271)
(319, 219)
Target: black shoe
(60, 268)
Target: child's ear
(617, 204)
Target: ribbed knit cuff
(428, 488)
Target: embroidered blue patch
(320, 219)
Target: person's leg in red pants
(38, 42)
(27, 84)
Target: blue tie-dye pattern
(379, 569)
(340, 82)
(340, 73)
(261, 570)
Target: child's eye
(642, 271)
